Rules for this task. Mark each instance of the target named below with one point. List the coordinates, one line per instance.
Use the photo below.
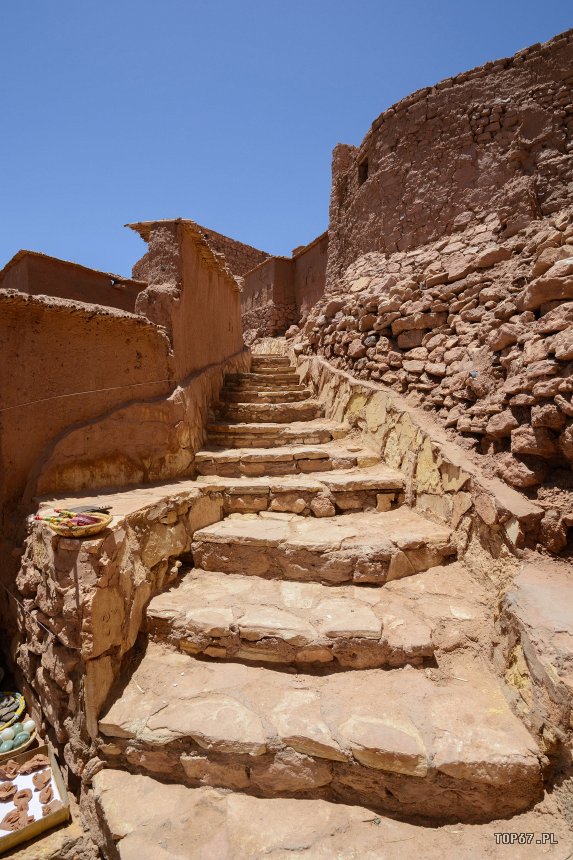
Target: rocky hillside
(478, 327)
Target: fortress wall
(497, 139)
(40, 275)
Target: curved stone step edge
(358, 547)
(231, 617)
(394, 740)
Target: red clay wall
(240, 258)
(268, 301)
(39, 275)
(281, 290)
(52, 349)
(494, 139)
(310, 273)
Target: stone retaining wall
(488, 517)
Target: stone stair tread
(362, 547)
(213, 823)
(378, 477)
(272, 412)
(449, 748)
(281, 453)
(403, 526)
(226, 615)
(267, 427)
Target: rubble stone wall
(497, 139)
(479, 330)
(82, 605)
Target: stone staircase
(327, 644)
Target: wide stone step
(224, 825)
(248, 381)
(282, 460)
(264, 395)
(395, 740)
(262, 360)
(364, 547)
(227, 434)
(271, 412)
(237, 617)
(321, 494)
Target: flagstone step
(362, 547)
(318, 494)
(266, 380)
(403, 741)
(227, 434)
(235, 617)
(215, 824)
(262, 360)
(271, 412)
(264, 395)
(282, 460)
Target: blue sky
(225, 111)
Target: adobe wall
(310, 273)
(240, 258)
(268, 302)
(278, 292)
(192, 294)
(51, 350)
(40, 275)
(497, 139)
(103, 397)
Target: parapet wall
(40, 275)
(497, 139)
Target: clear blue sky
(225, 111)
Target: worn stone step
(288, 378)
(228, 434)
(363, 547)
(215, 823)
(262, 360)
(317, 493)
(395, 740)
(282, 460)
(237, 617)
(271, 412)
(264, 395)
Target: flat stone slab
(536, 631)
(211, 823)
(363, 547)
(397, 740)
(282, 459)
(264, 395)
(236, 617)
(272, 412)
(306, 489)
(270, 434)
